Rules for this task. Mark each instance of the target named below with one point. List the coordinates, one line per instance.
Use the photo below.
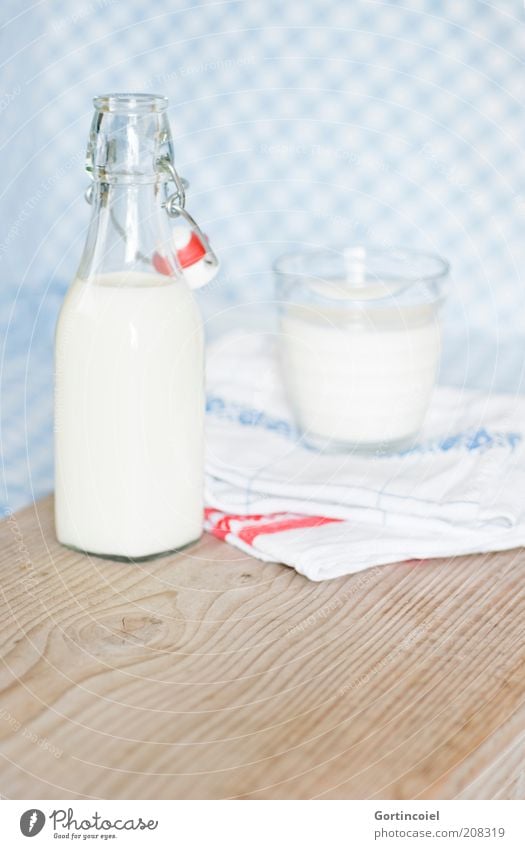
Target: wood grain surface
(208, 674)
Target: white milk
(360, 379)
(129, 416)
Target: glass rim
(282, 264)
(130, 102)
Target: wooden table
(208, 674)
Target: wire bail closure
(175, 206)
(181, 183)
(178, 198)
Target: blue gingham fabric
(297, 124)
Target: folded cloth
(459, 489)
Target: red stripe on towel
(293, 523)
(221, 522)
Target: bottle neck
(128, 226)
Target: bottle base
(123, 558)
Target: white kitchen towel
(460, 489)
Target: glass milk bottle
(129, 353)
(359, 343)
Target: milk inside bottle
(129, 397)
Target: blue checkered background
(319, 122)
